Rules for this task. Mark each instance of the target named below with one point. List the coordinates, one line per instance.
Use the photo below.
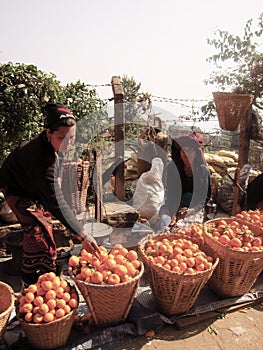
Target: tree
(136, 103)
(24, 91)
(239, 64)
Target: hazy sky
(161, 43)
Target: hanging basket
(231, 108)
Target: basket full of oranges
(108, 282)
(46, 311)
(239, 246)
(178, 267)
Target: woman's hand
(90, 245)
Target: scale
(100, 231)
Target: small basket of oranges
(178, 268)
(46, 311)
(108, 282)
(239, 246)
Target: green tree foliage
(239, 64)
(136, 104)
(24, 91)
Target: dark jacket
(32, 171)
(178, 184)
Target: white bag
(148, 196)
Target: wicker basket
(174, 293)
(231, 108)
(236, 271)
(75, 184)
(6, 305)
(109, 304)
(48, 335)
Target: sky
(161, 43)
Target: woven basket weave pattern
(174, 293)
(237, 271)
(49, 335)
(6, 306)
(109, 304)
(231, 108)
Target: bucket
(14, 246)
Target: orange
(56, 282)
(66, 297)
(48, 317)
(136, 263)
(43, 309)
(50, 276)
(235, 243)
(119, 258)
(114, 279)
(51, 303)
(40, 291)
(46, 285)
(59, 292)
(27, 307)
(38, 301)
(132, 255)
(190, 261)
(61, 303)
(29, 297)
(67, 309)
(73, 261)
(63, 284)
(224, 239)
(50, 294)
(31, 288)
(188, 252)
(60, 313)
(28, 317)
(73, 303)
(200, 267)
(110, 263)
(96, 277)
(37, 318)
(85, 272)
(121, 270)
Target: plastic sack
(148, 196)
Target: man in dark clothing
(32, 174)
(254, 197)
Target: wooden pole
(244, 138)
(119, 132)
(235, 208)
(98, 186)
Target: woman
(31, 179)
(188, 185)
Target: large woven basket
(174, 293)
(231, 108)
(109, 304)
(236, 271)
(75, 184)
(6, 305)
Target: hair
(63, 122)
(189, 140)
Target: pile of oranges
(235, 235)
(194, 230)
(180, 255)
(49, 299)
(255, 217)
(111, 267)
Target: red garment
(39, 247)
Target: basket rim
(174, 273)
(11, 291)
(247, 253)
(231, 94)
(103, 286)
